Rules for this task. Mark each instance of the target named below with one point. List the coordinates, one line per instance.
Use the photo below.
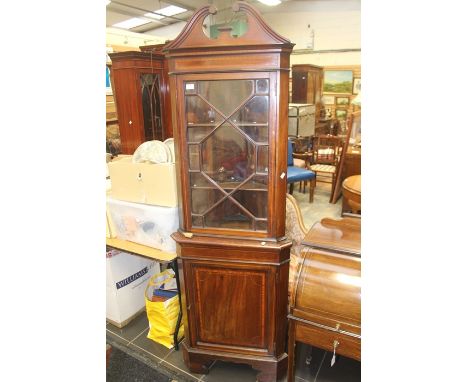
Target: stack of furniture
(307, 84)
(230, 98)
(325, 308)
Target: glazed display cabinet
(141, 93)
(229, 99)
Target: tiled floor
(320, 207)
(133, 340)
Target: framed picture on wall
(341, 114)
(342, 101)
(356, 85)
(328, 100)
(338, 81)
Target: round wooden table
(352, 192)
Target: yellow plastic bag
(162, 316)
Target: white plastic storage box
(147, 183)
(301, 119)
(126, 279)
(144, 223)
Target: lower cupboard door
(231, 306)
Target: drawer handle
(335, 345)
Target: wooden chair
(296, 174)
(326, 153)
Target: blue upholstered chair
(297, 174)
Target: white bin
(126, 279)
(144, 223)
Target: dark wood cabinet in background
(141, 92)
(307, 84)
(230, 111)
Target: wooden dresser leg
(291, 350)
(271, 371)
(197, 363)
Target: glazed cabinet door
(230, 306)
(228, 132)
(150, 93)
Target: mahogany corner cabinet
(229, 97)
(141, 91)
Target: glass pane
(262, 86)
(197, 221)
(228, 215)
(257, 183)
(198, 112)
(226, 96)
(152, 123)
(255, 111)
(198, 180)
(197, 133)
(204, 198)
(262, 225)
(194, 157)
(262, 159)
(228, 157)
(257, 133)
(256, 202)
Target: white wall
(336, 24)
(115, 36)
(169, 32)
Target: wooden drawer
(323, 338)
(326, 319)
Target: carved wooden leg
(199, 367)
(267, 376)
(270, 371)
(197, 363)
(291, 350)
(291, 188)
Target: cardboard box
(126, 279)
(143, 182)
(143, 223)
